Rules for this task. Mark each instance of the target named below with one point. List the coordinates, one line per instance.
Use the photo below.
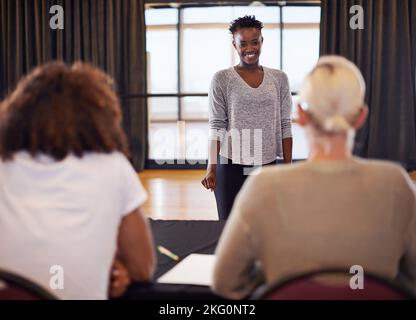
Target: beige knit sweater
(317, 214)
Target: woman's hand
(210, 179)
(120, 279)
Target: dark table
(182, 237)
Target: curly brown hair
(58, 110)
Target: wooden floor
(178, 194)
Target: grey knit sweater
(250, 122)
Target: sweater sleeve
(218, 119)
(286, 107)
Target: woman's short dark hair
(245, 22)
(59, 110)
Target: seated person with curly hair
(68, 194)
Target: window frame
(180, 26)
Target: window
(187, 45)
(300, 31)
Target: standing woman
(249, 117)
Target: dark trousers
(230, 179)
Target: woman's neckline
(241, 78)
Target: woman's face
(248, 42)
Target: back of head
(59, 110)
(333, 94)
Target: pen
(168, 253)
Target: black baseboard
(180, 164)
(177, 164)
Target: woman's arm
(286, 121)
(287, 150)
(119, 279)
(218, 121)
(210, 179)
(135, 246)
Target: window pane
(270, 54)
(262, 13)
(207, 15)
(162, 66)
(300, 142)
(163, 140)
(163, 108)
(301, 14)
(295, 101)
(227, 14)
(194, 107)
(161, 16)
(197, 140)
(300, 53)
(205, 51)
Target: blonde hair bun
(333, 93)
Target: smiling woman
(249, 116)
(247, 40)
(186, 33)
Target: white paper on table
(195, 269)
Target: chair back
(16, 287)
(333, 284)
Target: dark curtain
(385, 51)
(107, 33)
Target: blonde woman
(334, 210)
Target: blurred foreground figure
(331, 211)
(69, 198)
